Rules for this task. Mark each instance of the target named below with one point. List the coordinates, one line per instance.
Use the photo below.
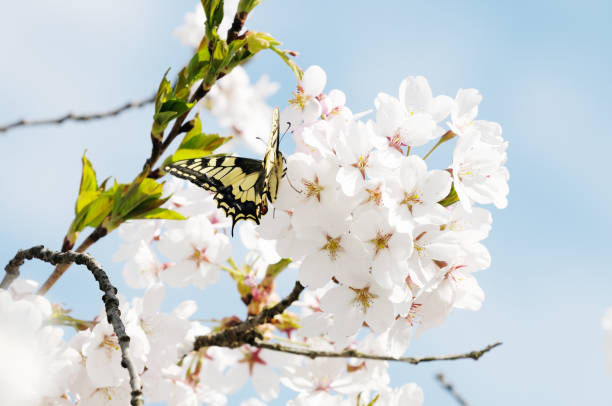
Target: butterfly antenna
(293, 187)
(286, 131)
(261, 139)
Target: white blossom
(37, 363)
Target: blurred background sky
(543, 68)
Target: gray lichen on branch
(111, 303)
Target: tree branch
(111, 303)
(245, 333)
(78, 117)
(451, 390)
(159, 148)
(475, 355)
(157, 151)
(59, 270)
(237, 24)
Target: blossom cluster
(191, 252)
(382, 240)
(382, 243)
(385, 245)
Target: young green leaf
(246, 6)
(88, 189)
(199, 64)
(451, 198)
(165, 88)
(169, 110)
(147, 189)
(93, 213)
(257, 41)
(274, 269)
(160, 213)
(213, 9)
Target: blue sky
(543, 68)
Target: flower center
(411, 199)
(363, 298)
(333, 247)
(313, 188)
(381, 241)
(395, 141)
(419, 246)
(199, 256)
(299, 98)
(361, 164)
(110, 344)
(374, 195)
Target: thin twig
(245, 333)
(475, 355)
(78, 117)
(111, 303)
(451, 390)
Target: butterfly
(241, 186)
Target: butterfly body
(242, 187)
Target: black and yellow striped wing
(242, 186)
(238, 183)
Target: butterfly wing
(238, 183)
(273, 160)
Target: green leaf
(202, 142)
(185, 153)
(146, 206)
(196, 129)
(88, 177)
(165, 88)
(257, 41)
(97, 210)
(246, 6)
(199, 64)
(183, 85)
(93, 213)
(85, 198)
(169, 110)
(220, 59)
(451, 198)
(127, 197)
(88, 188)
(213, 9)
(160, 213)
(176, 106)
(275, 269)
(147, 190)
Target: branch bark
(451, 390)
(78, 117)
(59, 270)
(111, 303)
(475, 355)
(245, 333)
(237, 24)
